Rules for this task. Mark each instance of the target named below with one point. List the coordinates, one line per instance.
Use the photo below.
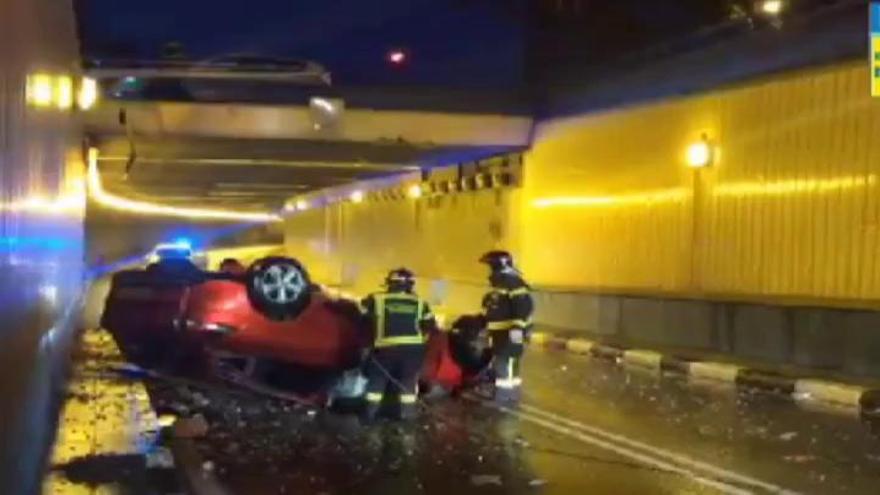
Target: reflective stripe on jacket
(397, 318)
(508, 306)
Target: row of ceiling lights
(415, 191)
(357, 196)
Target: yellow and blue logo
(875, 49)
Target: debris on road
(522, 442)
(788, 436)
(486, 479)
(160, 458)
(194, 427)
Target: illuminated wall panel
(42, 202)
(789, 209)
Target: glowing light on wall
(22, 243)
(794, 186)
(39, 90)
(772, 7)
(414, 191)
(44, 205)
(699, 154)
(60, 91)
(648, 197)
(88, 93)
(298, 205)
(64, 92)
(356, 196)
(97, 193)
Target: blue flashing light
(183, 243)
(875, 18)
(46, 243)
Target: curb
(833, 392)
(643, 359)
(806, 390)
(720, 372)
(579, 346)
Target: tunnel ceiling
(256, 174)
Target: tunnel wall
(766, 255)
(789, 209)
(354, 245)
(42, 198)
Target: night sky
(452, 42)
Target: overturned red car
(267, 326)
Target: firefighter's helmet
(400, 279)
(498, 260)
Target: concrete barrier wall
(823, 338)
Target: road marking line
(661, 452)
(651, 455)
(624, 452)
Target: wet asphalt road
(586, 426)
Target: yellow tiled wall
(789, 208)
(356, 244)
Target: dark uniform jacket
(508, 306)
(398, 318)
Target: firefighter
(507, 309)
(400, 322)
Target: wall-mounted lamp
(700, 154)
(356, 196)
(64, 92)
(88, 93)
(414, 191)
(61, 91)
(39, 90)
(771, 7)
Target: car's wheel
(279, 287)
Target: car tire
(279, 287)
